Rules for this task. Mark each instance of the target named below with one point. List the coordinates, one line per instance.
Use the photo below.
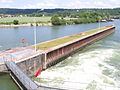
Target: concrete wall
(30, 65)
(3, 67)
(53, 56)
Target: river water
(94, 68)
(6, 83)
(11, 37)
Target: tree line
(73, 12)
(76, 18)
(62, 12)
(80, 18)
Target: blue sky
(59, 3)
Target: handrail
(26, 81)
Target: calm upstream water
(94, 68)
(11, 37)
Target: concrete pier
(27, 82)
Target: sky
(68, 4)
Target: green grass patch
(53, 43)
(25, 19)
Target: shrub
(62, 21)
(55, 20)
(69, 22)
(15, 22)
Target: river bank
(25, 25)
(34, 24)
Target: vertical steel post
(35, 36)
(99, 21)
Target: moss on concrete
(60, 41)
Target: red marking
(38, 72)
(23, 40)
(109, 26)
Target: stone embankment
(26, 25)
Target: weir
(27, 62)
(49, 56)
(55, 54)
(52, 52)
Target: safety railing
(26, 81)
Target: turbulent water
(97, 67)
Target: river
(11, 37)
(94, 68)
(6, 83)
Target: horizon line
(60, 8)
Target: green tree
(15, 22)
(55, 20)
(63, 21)
(90, 17)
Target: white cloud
(43, 4)
(6, 1)
(63, 3)
(114, 0)
(75, 4)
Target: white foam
(85, 70)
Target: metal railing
(26, 81)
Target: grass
(25, 19)
(56, 42)
(22, 20)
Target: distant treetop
(115, 11)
